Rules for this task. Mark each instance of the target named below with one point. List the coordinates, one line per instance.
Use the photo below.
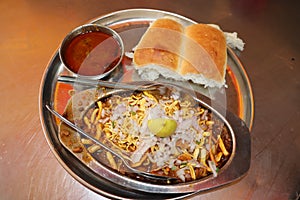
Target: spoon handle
(81, 131)
(108, 84)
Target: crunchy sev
(125, 137)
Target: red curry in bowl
(92, 51)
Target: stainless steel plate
(131, 24)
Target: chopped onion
(213, 168)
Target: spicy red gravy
(92, 53)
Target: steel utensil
(108, 84)
(80, 131)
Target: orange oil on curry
(92, 53)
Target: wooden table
(32, 31)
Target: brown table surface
(32, 30)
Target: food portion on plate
(163, 132)
(196, 53)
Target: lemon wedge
(162, 127)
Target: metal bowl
(139, 183)
(88, 28)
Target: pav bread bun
(196, 53)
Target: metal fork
(137, 171)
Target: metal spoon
(80, 131)
(108, 84)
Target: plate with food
(177, 104)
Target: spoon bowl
(125, 162)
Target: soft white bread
(196, 53)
